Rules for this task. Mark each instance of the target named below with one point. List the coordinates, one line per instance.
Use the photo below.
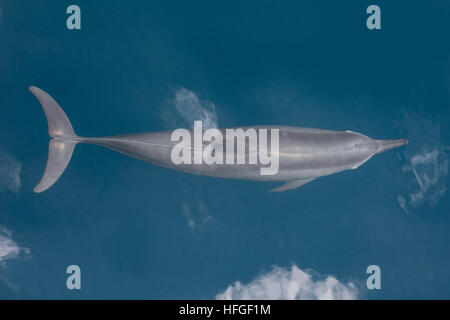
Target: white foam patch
(425, 165)
(290, 284)
(10, 170)
(190, 108)
(429, 169)
(196, 216)
(8, 247)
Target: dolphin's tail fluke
(384, 145)
(63, 142)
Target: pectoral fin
(292, 185)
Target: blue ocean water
(142, 231)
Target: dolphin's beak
(384, 145)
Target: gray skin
(304, 153)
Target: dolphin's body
(304, 153)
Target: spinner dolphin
(303, 154)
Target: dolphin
(304, 154)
